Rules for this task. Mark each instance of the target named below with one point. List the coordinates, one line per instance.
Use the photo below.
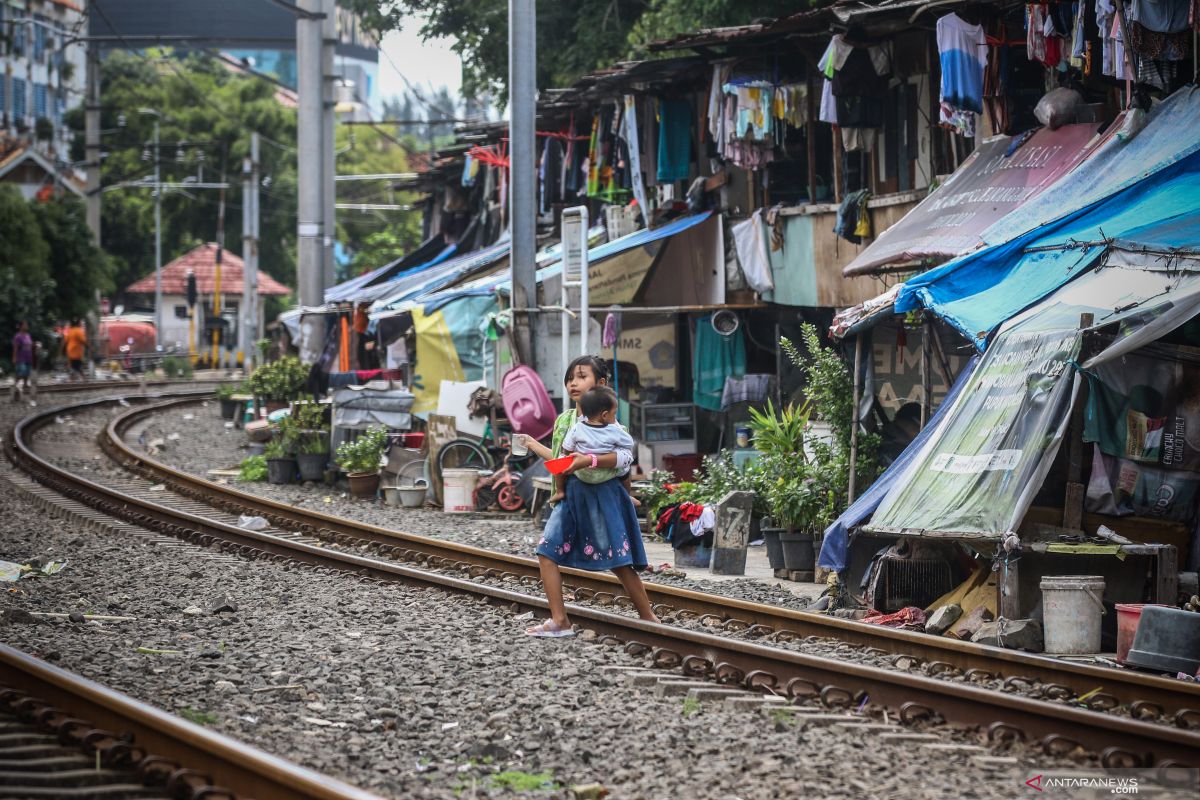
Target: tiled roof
(203, 262)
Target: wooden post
(1009, 588)
(837, 164)
(858, 345)
(926, 373)
(1073, 501)
(810, 137)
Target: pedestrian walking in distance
(22, 358)
(75, 343)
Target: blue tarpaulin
(836, 542)
(429, 251)
(978, 292)
(1052, 239)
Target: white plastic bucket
(458, 490)
(1072, 606)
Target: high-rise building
(42, 74)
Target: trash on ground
(11, 571)
(252, 523)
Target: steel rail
(1150, 695)
(192, 760)
(1120, 740)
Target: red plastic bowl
(558, 466)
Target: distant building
(41, 76)
(355, 62)
(202, 261)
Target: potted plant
(782, 471)
(312, 456)
(360, 459)
(278, 383)
(281, 464)
(312, 452)
(225, 393)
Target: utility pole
(310, 266)
(91, 118)
(329, 143)
(158, 191)
(216, 304)
(248, 328)
(522, 215)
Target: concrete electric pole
(248, 327)
(522, 213)
(310, 159)
(329, 143)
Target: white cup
(518, 446)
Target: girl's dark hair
(598, 366)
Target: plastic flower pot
(774, 547)
(798, 551)
(281, 470)
(229, 408)
(312, 466)
(364, 484)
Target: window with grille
(39, 39)
(40, 96)
(18, 100)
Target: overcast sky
(425, 64)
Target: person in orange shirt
(75, 344)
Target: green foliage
(310, 416)
(362, 454)
(78, 268)
(177, 367)
(199, 717)
(226, 391)
(25, 282)
(808, 492)
(779, 435)
(515, 780)
(253, 468)
(313, 444)
(720, 477)
(572, 38)
(278, 448)
(691, 706)
(201, 102)
(279, 381)
(656, 496)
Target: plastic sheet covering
(365, 406)
(988, 287)
(977, 475)
(991, 183)
(836, 542)
(1116, 164)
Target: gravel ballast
(412, 692)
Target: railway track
(67, 736)
(193, 510)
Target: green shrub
(177, 367)
(280, 381)
(253, 468)
(362, 454)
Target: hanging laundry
(859, 92)
(752, 253)
(962, 50)
(853, 206)
(674, 140)
(716, 357)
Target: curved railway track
(1120, 740)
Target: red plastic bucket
(414, 440)
(1128, 616)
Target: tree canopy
(573, 38)
(51, 270)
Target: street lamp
(158, 301)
